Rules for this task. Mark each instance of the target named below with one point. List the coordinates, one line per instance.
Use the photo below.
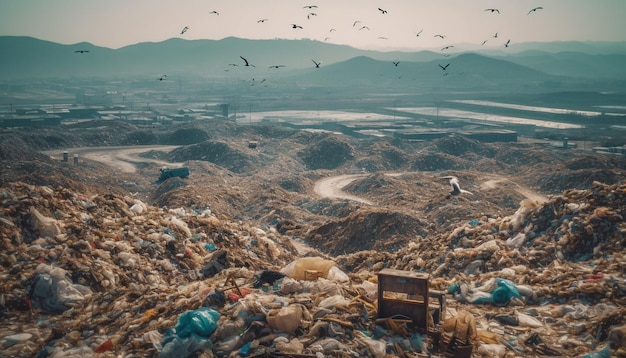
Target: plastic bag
(299, 268)
(201, 322)
(505, 291)
(286, 319)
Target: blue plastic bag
(201, 322)
(505, 291)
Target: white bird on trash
(456, 187)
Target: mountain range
(23, 58)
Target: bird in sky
(356, 22)
(331, 30)
(493, 10)
(276, 66)
(81, 51)
(420, 31)
(233, 64)
(447, 48)
(308, 16)
(364, 27)
(162, 78)
(294, 26)
(456, 187)
(484, 42)
(326, 38)
(309, 6)
(246, 61)
(184, 30)
(214, 12)
(395, 63)
(535, 9)
(382, 38)
(495, 36)
(382, 11)
(444, 67)
(261, 20)
(442, 36)
(506, 44)
(317, 64)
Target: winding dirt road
(126, 158)
(331, 187)
(123, 158)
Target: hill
(30, 58)
(98, 260)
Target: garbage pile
(107, 275)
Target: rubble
(110, 275)
(93, 264)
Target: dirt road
(123, 158)
(493, 181)
(331, 187)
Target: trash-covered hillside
(107, 275)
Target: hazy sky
(118, 23)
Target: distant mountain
(30, 58)
(573, 64)
(465, 71)
(27, 57)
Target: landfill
(107, 275)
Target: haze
(119, 23)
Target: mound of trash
(109, 275)
(558, 244)
(328, 153)
(433, 161)
(366, 230)
(216, 152)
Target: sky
(119, 23)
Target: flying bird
(294, 26)
(484, 42)
(447, 48)
(162, 78)
(356, 22)
(364, 27)
(382, 11)
(495, 36)
(493, 10)
(418, 34)
(331, 30)
(311, 14)
(535, 9)
(309, 6)
(442, 36)
(276, 66)
(81, 51)
(184, 30)
(214, 12)
(444, 67)
(246, 61)
(317, 64)
(506, 44)
(262, 20)
(395, 63)
(382, 38)
(456, 187)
